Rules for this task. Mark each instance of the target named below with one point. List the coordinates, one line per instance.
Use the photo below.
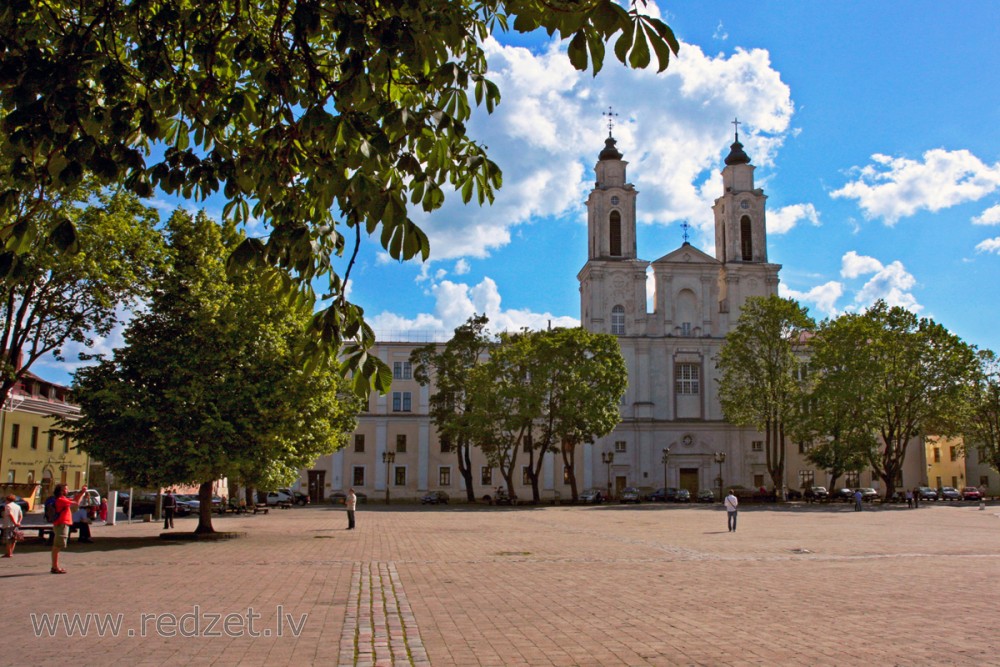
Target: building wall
(945, 462)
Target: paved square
(603, 585)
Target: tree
(450, 368)
(207, 385)
(761, 363)
(318, 119)
(982, 427)
(916, 375)
(839, 415)
(51, 296)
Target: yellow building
(946, 463)
(33, 458)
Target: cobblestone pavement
(600, 585)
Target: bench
(44, 531)
(260, 508)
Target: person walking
(857, 500)
(352, 504)
(169, 507)
(12, 516)
(61, 524)
(731, 502)
(916, 496)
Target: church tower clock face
(614, 200)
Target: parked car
(706, 496)
(683, 496)
(340, 497)
(630, 494)
(868, 494)
(794, 494)
(278, 497)
(927, 493)
(816, 493)
(194, 503)
(971, 493)
(846, 495)
(658, 496)
(435, 498)
(949, 493)
(592, 496)
(298, 497)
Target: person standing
(169, 507)
(81, 523)
(857, 500)
(61, 524)
(916, 496)
(352, 504)
(11, 523)
(731, 503)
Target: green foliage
(209, 383)
(308, 117)
(982, 426)
(84, 256)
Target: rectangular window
(954, 481)
(620, 447)
(953, 453)
(807, 478)
(34, 437)
(937, 455)
(400, 476)
(359, 442)
(758, 480)
(52, 441)
(65, 444)
(445, 444)
(401, 370)
(486, 476)
(803, 448)
(686, 379)
(401, 443)
(15, 435)
(444, 476)
(685, 328)
(851, 480)
(757, 446)
(526, 475)
(400, 401)
(938, 478)
(359, 476)
(984, 481)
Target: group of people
(59, 510)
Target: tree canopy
(982, 428)
(320, 120)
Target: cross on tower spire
(736, 123)
(685, 226)
(611, 119)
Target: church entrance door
(689, 480)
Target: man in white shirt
(731, 503)
(352, 504)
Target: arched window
(746, 239)
(616, 234)
(618, 320)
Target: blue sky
(873, 127)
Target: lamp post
(720, 458)
(666, 457)
(387, 458)
(608, 458)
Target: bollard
(982, 504)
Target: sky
(873, 127)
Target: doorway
(689, 480)
(317, 484)
(621, 481)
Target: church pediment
(687, 254)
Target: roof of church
(609, 152)
(736, 153)
(687, 253)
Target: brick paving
(604, 585)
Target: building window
(444, 476)
(34, 437)
(687, 379)
(65, 444)
(52, 441)
(486, 476)
(400, 401)
(527, 443)
(938, 478)
(359, 476)
(953, 453)
(757, 446)
(401, 443)
(937, 455)
(616, 234)
(15, 435)
(526, 475)
(851, 480)
(401, 370)
(620, 447)
(807, 478)
(804, 447)
(445, 444)
(984, 481)
(746, 239)
(400, 476)
(758, 480)
(954, 481)
(618, 320)
(359, 442)
(566, 475)
(685, 328)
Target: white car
(280, 497)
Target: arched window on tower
(616, 234)
(746, 239)
(618, 320)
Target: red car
(971, 493)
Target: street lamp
(720, 458)
(608, 458)
(387, 458)
(666, 457)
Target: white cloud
(784, 219)
(990, 216)
(823, 297)
(891, 283)
(720, 33)
(854, 265)
(461, 267)
(989, 245)
(894, 187)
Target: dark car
(630, 494)
(706, 496)
(845, 495)
(927, 493)
(435, 498)
(658, 496)
(683, 496)
(971, 493)
(949, 493)
(592, 496)
(816, 493)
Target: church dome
(737, 155)
(610, 152)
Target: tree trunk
(205, 509)
(568, 456)
(465, 469)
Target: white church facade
(672, 431)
